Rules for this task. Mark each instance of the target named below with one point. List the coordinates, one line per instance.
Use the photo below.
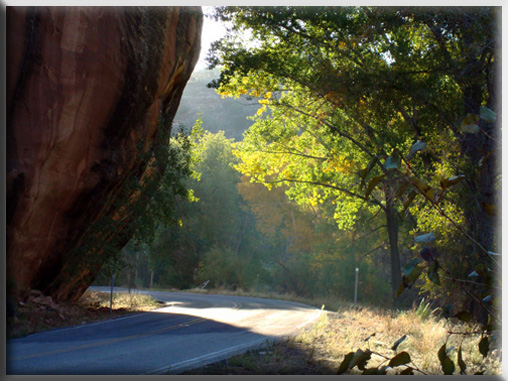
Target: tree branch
(333, 128)
(296, 153)
(346, 191)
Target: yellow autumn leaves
(249, 85)
(339, 164)
(265, 101)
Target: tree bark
(392, 225)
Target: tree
(213, 219)
(291, 233)
(148, 199)
(293, 146)
(390, 85)
(218, 199)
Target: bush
(221, 266)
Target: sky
(212, 31)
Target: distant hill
(226, 114)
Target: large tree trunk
(477, 71)
(482, 205)
(481, 179)
(392, 225)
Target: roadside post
(356, 284)
(111, 296)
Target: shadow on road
(279, 358)
(137, 344)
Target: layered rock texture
(84, 87)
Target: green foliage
(222, 267)
(432, 272)
(487, 114)
(272, 241)
(401, 358)
(464, 316)
(411, 273)
(359, 359)
(146, 201)
(372, 107)
(373, 127)
(393, 161)
(447, 364)
(331, 107)
(316, 259)
(398, 342)
(215, 216)
(424, 310)
(483, 346)
(344, 365)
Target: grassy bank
(321, 349)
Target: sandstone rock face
(84, 87)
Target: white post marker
(356, 284)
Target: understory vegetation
(322, 348)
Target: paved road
(193, 330)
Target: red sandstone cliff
(84, 86)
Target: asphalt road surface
(193, 330)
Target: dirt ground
(37, 313)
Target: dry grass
(321, 349)
(347, 330)
(133, 302)
(289, 358)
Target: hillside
(217, 113)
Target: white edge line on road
(130, 316)
(311, 319)
(180, 366)
(80, 326)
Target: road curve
(191, 331)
